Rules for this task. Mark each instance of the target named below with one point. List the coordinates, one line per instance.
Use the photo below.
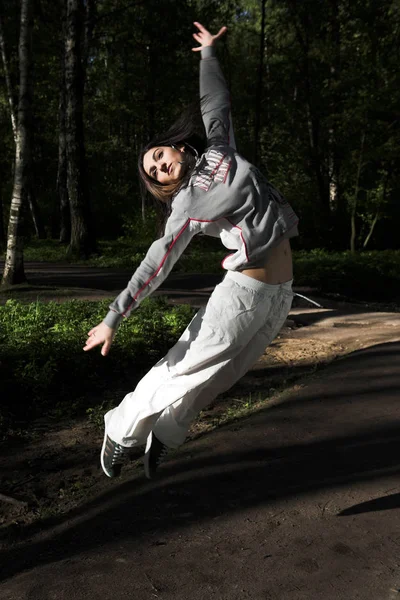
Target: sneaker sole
(146, 454)
(102, 454)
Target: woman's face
(164, 164)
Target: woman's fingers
(220, 32)
(94, 339)
(200, 26)
(205, 31)
(106, 348)
(204, 37)
(91, 342)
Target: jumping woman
(213, 191)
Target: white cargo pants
(221, 343)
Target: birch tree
(7, 77)
(11, 104)
(33, 205)
(14, 264)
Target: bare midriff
(278, 267)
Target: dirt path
(293, 500)
(59, 281)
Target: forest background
(315, 100)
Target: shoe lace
(118, 453)
(162, 454)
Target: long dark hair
(187, 131)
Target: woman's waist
(276, 267)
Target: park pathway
(296, 502)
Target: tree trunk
(313, 123)
(333, 159)
(33, 205)
(14, 265)
(313, 118)
(63, 208)
(61, 185)
(337, 199)
(151, 91)
(8, 81)
(378, 210)
(150, 104)
(2, 230)
(36, 213)
(13, 119)
(12, 115)
(371, 229)
(257, 119)
(90, 18)
(82, 239)
(354, 205)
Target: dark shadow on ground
(369, 372)
(276, 376)
(205, 489)
(384, 503)
(342, 428)
(363, 317)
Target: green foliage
(330, 72)
(120, 253)
(368, 276)
(43, 366)
(44, 250)
(95, 414)
(202, 256)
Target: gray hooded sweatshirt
(225, 197)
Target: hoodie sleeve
(215, 100)
(154, 268)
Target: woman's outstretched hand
(204, 37)
(101, 334)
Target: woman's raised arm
(214, 94)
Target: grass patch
(43, 368)
(119, 254)
(202, 256)
(237, 409)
